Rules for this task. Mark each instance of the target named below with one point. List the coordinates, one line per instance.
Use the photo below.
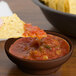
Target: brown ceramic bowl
(38, 67)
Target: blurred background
(29, 12)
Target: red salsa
(50, 47)
(33, 31)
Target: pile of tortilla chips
(68, 6)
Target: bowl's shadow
(14, 71)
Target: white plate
(3, 39)
(4, 7)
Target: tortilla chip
(52, 4)
(66, 6)
(12, 27)
(61, 5)
(45, 1)
(72, 6)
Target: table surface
(31, 13)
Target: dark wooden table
(31, 13)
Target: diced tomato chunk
(33, 31)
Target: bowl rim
(43, 61)
(37, 2)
